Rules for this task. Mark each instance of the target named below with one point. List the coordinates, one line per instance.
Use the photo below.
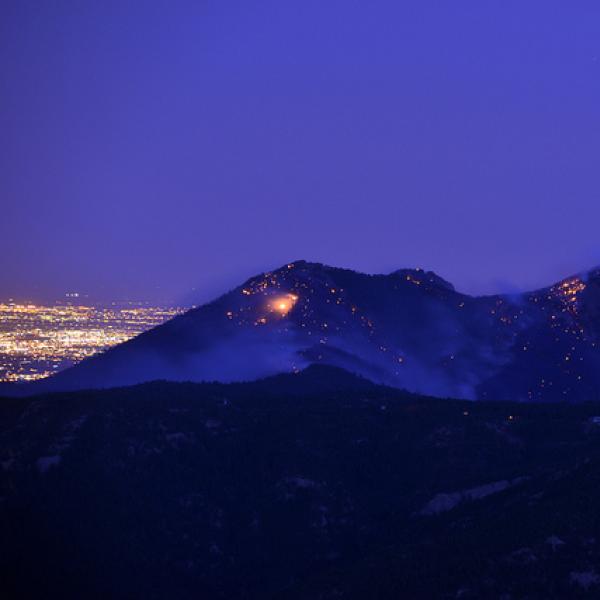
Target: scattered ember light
(568, 292)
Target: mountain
(409, 329)
(300, 486)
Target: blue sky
(153, 147)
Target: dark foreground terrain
(316, 485)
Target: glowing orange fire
(283, 304)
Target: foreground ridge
(297, 486)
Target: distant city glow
(37, 341)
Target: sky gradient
(167, 150)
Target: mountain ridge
(408, 329)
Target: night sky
(153, 147)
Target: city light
(37, 341)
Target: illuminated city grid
(37, 341)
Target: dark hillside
(298, 486)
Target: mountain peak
(421, 276)
(407, 329)
(415, 275)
